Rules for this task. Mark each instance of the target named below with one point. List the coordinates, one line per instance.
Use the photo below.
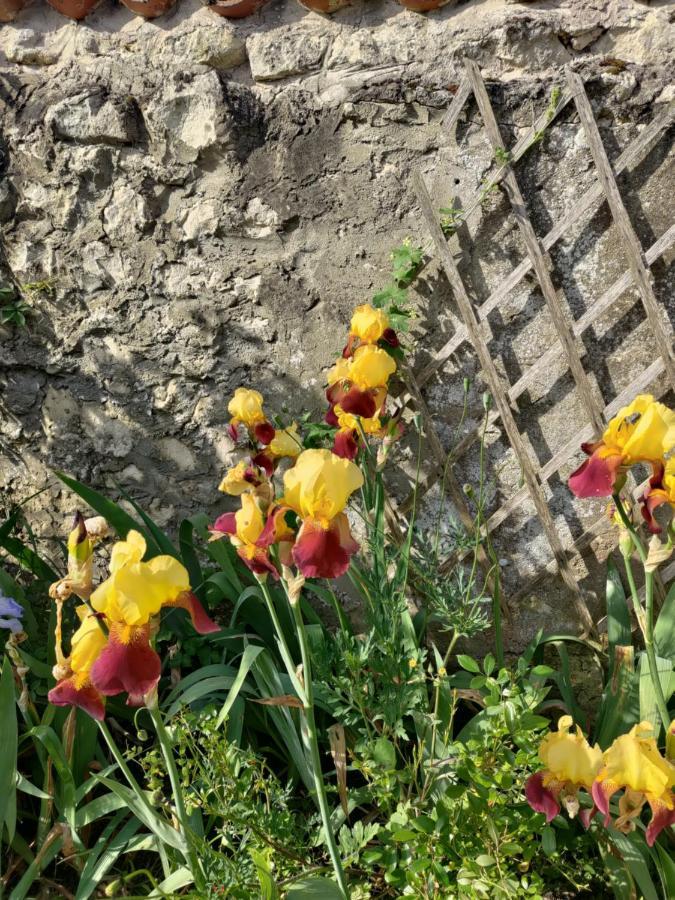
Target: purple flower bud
(10, 608)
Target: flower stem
(312, 746)
(281, 638)
(651, 653)
(176, 788)
(645, 618)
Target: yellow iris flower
(642, 431)
(136, 590)
(569, 758)
(368, 323)
(371, 367)
(320, 484)
(246, 406)
(286, 442)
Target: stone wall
(201, 203)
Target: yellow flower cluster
(358, 382)
(642, 432)
(632, 764)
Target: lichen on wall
(199, 203)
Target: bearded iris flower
(74, 686)
(634, 764)
(111, 652)
(368, 326)
(346, 441)
(359, 385)
(239, 479)
(642, 432)
(252, 534)
(317, 489)
(570, 765)
(246, 408)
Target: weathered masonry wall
(200, 202)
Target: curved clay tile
(423, 5)
(74, 9)
(234, 9)
(9, 8)
(324, 6)
(149, 9)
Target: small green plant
(13, 308)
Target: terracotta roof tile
(231, 9)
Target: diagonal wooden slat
(632, 246)
(541, 264)
(641, 383)
(632, 155)
(548, 358)
(499, 396)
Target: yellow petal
(320, 484)
(286, 442)
(642, 431)
(633, 761)
(128, 551)
(140, 589)
(371, 367)
(246, 406)
(369, 324)
(249, 520)
(339, 372)
(569, 757)
(86, 643)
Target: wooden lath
(474, 326)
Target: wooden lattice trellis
(473, 324)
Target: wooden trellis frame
(474, 327)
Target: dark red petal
(653, 497)
(233, 432)
(225, 524)
(264, 433)
(336, 392)
(602, 792)
(662, 817)
(589, 447)
(541, 799)
(346, 445)
(390, 337)
(260, 563)
(324, 552)
(87, 698)
(330, 418)
(348, 348)
(595, 477)
(268, 536)
(264, 462)
(127, 665)
(359, 403)
(649, 502)
(201, 621)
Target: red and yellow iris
(316, 491)
(632, 764)
(642, 432)
(571, 764)
(246, 408)
(357, 383)
(111, 652)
